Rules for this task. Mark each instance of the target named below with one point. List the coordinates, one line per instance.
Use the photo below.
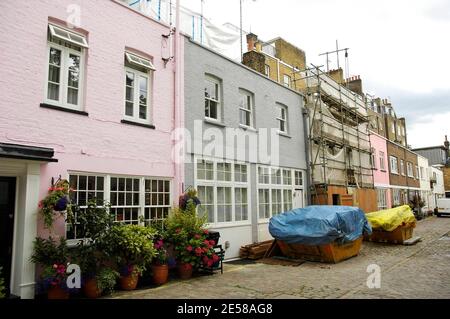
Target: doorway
(7, 208)
(298, 199)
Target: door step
(412, 241)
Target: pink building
(380, 170)
(95, 104)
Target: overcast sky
(400, 48)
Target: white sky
(401, 48)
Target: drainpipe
(305, 114)
(178, 111)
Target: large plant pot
(56, 292)
(185, 271)
(91, 289)
(160, 274)
(129, 282)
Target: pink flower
(55, 266)
(210, 263)
(212, 242)
(206, 232)
(215, 258)
(178, 231)
(197, 236)
(206, 242)
(189, 248)
(198, 251)
(205, 260)
(41, 204)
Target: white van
(443, 205)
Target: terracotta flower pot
(185, 271)
(160, 274)
(56, 292)
(129, 282)
(91, 289)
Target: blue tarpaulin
(320, 225)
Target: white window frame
(251, 101)
(63, 76)
(422, 173)
(136, 101)
(402, 167)
(292, 187)
(409, 169)
(233, 185)
(267, 70)
(382, 162)
(218, 101)
(382, 198)
(107, 194)
(280, 119)
(373, 157)
(69, 36)
(393, 163)
(287, 81)
(139, 61)
(417, 172)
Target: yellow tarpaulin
(390, 219)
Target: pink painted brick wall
(100, 142)
(381, 177)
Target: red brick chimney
(252, 39)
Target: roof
(27, 152)
(430, 148)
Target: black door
(7, 200)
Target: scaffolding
(340, 149)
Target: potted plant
(188, 197)
(187, 233)
(416, 204)
(160, 267)
(132, 247)
(53, 257)
(94, 223)
(57, 201)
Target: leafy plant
(2, 285)
(186, 231)
(161, 255)
(94, 221)
(48, 252)
(57, 200)
(54, 275)
(106, 280)
(131, 246)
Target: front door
(7, 201)
(298, 199)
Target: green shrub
(106, 280)
(48, 252)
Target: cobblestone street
(420, 271)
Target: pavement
(421, 271)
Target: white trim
(136, 93)
(63, 75)
(215, 183)
(139, 61)
(382, 185)
(405, 188)
(69, 35)
(250, 97)
(218, 82)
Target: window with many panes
(212, 98)
(223, 191)
(246, 106)
(138, 72)
(298, 181)
(275, 195)
(205, 170)
(282, 118)
(157, 201)
(125, 199)
(381, 198)
(84, 188)
(65, 69)
(133, 200)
